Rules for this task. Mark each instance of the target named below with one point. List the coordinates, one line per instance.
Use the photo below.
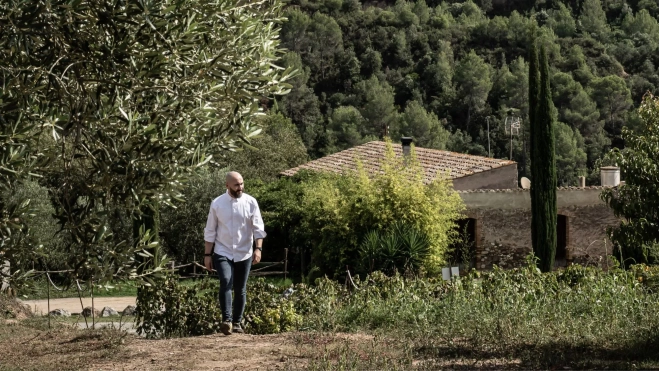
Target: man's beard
(235, 194)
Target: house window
(463, 250)
(562, 241)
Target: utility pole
(512, 124)
(488, 136)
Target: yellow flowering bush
(341, 209)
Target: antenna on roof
(512, 124)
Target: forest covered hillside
(441, 71)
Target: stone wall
(503, 226)
(4, 272)
(500, 178)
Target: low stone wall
(503, 226)
(4, 272)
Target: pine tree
(544, 212)
(534, 91)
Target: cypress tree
(544, 162)
(534, 92)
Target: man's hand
(208, 262)
(256, 257)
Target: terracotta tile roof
(434, 161)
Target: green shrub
(170, 309)
(342, 209)
(400, 248)
(509, 313)
(43, 245)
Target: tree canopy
(466, 63)
(637, 200)
(127, 100)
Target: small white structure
(448, 273)
(610, 176)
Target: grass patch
(30, 345)
(38, 290)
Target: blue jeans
(233, 275)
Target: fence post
(92, 290)
(48, 284)
(285, 262)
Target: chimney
(610, 176)
(582, 182)
(406, 141)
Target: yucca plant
(415, 246)
(400, 247)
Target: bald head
(234, 182)
(233, 175)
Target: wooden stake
(285, 262)
(93, 315)
(48, 284)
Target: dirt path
(72, 305)
(213, 352)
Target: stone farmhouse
(498, 211)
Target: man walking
(234, 222)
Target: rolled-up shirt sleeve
(211, 226)
(258, 228)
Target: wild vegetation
(439, 71)
(519, 314)
(118, 120)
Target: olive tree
(128, 99)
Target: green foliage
(637, 236)
(134, 101)
(534, 122)
(516, 313)
(472, 76)
(278, 148)
(543, 185)
(561, 21)
(593, 19)
(267, 311)
(464, 62)
(168, 309)
(183, 225)
(570, 155)
(41, 238)
(400, 248)
(343, 208)
(426, 129)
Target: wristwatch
(259, 248)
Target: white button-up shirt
(233, 224)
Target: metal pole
(488, 136)
(285, 262)
(194, 266)
(48, 284)
(511, 142)
(93, 318)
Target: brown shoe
(237, 329)
(225, 327)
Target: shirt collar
(232, 198)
